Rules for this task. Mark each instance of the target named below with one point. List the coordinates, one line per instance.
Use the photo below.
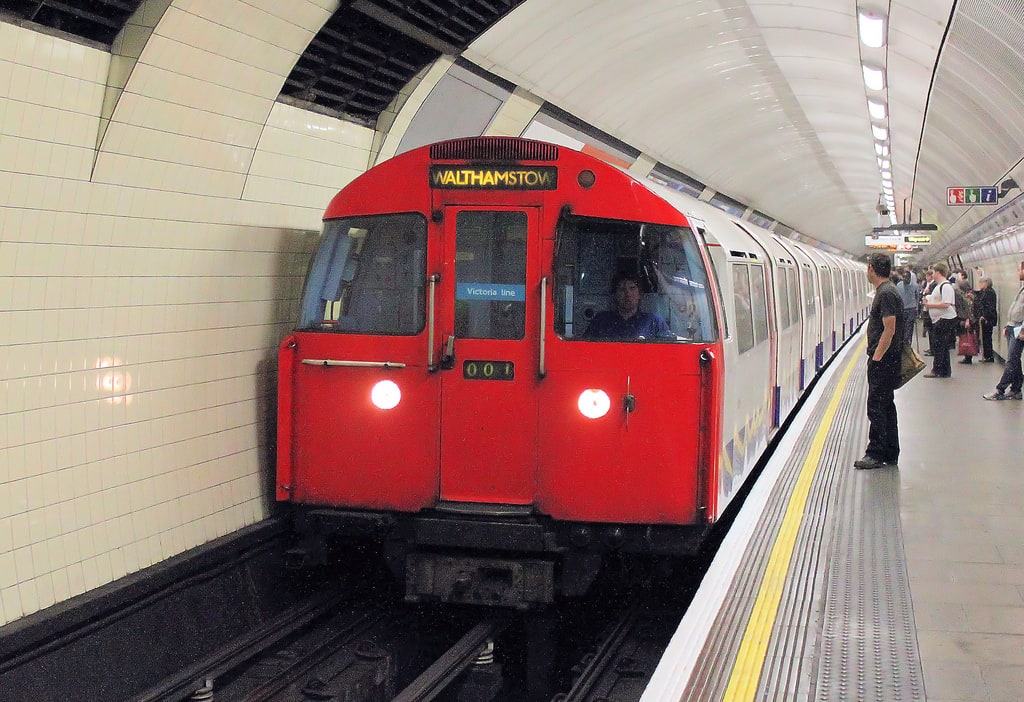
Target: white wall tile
(129, 430)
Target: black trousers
(883, 424)
(985, 334)
(942, 339)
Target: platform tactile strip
(869, 642)
(845, 628)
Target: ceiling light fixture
(876, 109)
(879, 133)
(874, 78)
(872, 28)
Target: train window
(368, 276)
(490, 253)
(783, 299)
(667, 274)
(794, 295)
(809, 292)
(826, 288)
(759, 303)
(744, 315)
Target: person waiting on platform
(910, 293)
(885, 347)
(627, 321)
(987, 309)
(941, 306)
(1009, 385)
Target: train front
(508, 364)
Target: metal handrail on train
(352, 364)
(432, 284)
(541, 367)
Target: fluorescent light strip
(874, 78)
(872, 29)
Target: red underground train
(510, 361)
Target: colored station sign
(919, 239)
(887, 242)
(972, 195)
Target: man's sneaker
(868, 463)
(1014, 396)
(1002, 396)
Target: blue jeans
(909, 324)
(1011, 371)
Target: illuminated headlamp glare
(386, 395)
(594, 403)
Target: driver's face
(627, 296)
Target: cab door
(489, 353)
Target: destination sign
(972, 195)
(490, 291)
(919, 239)
(494, 177)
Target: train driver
(627, 321)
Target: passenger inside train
(664, 264)
(627, 321)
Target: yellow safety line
(746, 671)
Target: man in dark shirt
(885, 346)
(627, 321)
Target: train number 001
(488, 370)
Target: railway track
(362, 644)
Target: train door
(489, 339)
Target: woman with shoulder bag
(968, 341)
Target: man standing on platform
(1009, 385)
(885, 345)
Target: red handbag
(968, 344)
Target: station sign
(890, 243)
(918, 239)
(967, 195)
(887, 242)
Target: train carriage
(513, 359)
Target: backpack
(963, 305)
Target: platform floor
(839, 584)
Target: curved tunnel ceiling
(763, 100)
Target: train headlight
(386, 395)
(594, 403)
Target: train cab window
(368, 276)
(490, 275)
(659, 263)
